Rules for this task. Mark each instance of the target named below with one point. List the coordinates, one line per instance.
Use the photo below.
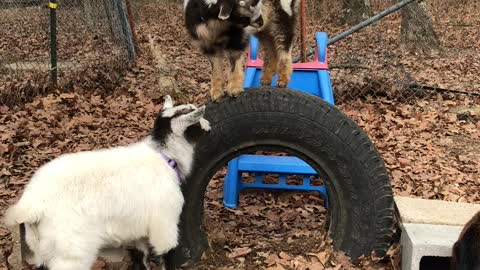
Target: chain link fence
(426, 48)
(384, 59)
(93, 38)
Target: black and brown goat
(220, 27)
(466, 251)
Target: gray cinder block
(419, 240)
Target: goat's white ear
(226, 8)
(168, 102)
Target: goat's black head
(182, 121)
(243, 12)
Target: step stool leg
(231, 186)
(323, 193)
(326, 90)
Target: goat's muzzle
(257, 23)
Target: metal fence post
(132, 24)
(126, 30)
(53, 41)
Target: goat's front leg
(270, 60)
(216, 88)
(235, 77)
(139, 259)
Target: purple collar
(173, 164)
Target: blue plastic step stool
(313, 78)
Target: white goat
(78, 203)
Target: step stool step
(274, 164)
(419, 240)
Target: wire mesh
(94, 39)
(410, 54)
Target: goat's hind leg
(283, 38)
(235, 77)
(138, 259)
(72, 251)
(284, 67)
(73, 255)
(67, 261)
(140, 255)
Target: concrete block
(430, 227)
(419, 240)
(422, 211)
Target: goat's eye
(185, 110)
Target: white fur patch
(204, 124)
(169, 112)
(223, 17)
(181, 151)
(210, 2)
(286, 6)
(168, 99)
(257, 10)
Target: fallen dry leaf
(239, 252)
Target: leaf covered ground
(430, 141)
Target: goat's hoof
(235, 92)
(282, 84)
(216, 97)
(265, 82)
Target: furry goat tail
(20, 213)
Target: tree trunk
(356, 11)
(417, 31)
(88, 13)
(167, 83)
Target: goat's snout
(258, 22)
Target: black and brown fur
(466, 251)
(276, 38)
(222, 27)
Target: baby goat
(466, 251)
(130, 195)
(221, 27)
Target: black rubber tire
(362, 208)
